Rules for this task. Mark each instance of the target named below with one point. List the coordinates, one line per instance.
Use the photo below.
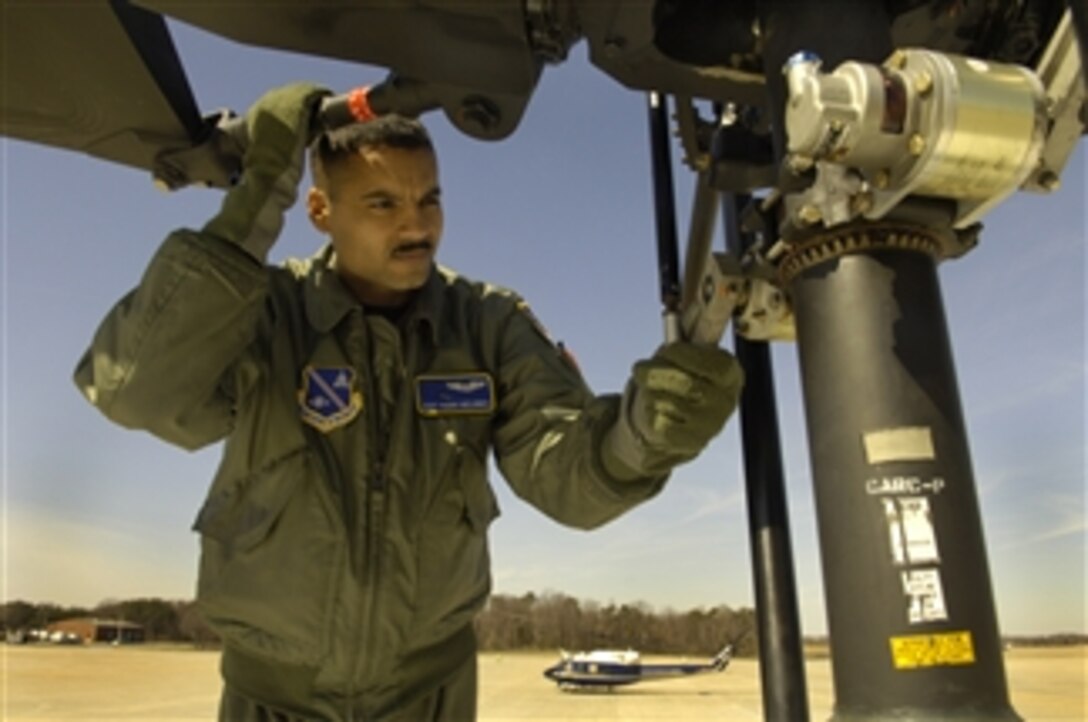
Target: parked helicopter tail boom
(607, 669)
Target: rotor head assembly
(928, 124)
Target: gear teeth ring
(834, 244)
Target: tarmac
(97, 683)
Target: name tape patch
(467, 393)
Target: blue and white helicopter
(607, 669)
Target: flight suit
(344, 537)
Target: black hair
(389, 131)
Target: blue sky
(562, 213)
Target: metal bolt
(799, 163)
(923, 83)
(863, 202)
(897, 60)
(480, 112)
(1049, 180)
(809, 214)
(708, 289)
(916, 144)
(882, 179)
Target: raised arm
(168, 357)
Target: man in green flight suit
(344, 537)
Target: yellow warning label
(932, 650)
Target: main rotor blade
(98, 77)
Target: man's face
(381, 208)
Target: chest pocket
(462, 489)
(453, 569)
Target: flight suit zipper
(362, 551)
(375, 533)
(371, 542)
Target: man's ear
(317, 208)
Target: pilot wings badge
(455, 394)
(329, 398)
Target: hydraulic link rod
(781, 660)
(668, 254)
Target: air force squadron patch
(452, 394)
(328, 398)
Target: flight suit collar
(328, 299)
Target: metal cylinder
(937, 124)
(984, 131)
(910, 608)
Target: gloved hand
(278, 126)
(674, 404)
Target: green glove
(279, 126)
(674, 404)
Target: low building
(92, 629)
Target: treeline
(555, 621)
(547, 621)
(163, 620)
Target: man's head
(376, 195)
